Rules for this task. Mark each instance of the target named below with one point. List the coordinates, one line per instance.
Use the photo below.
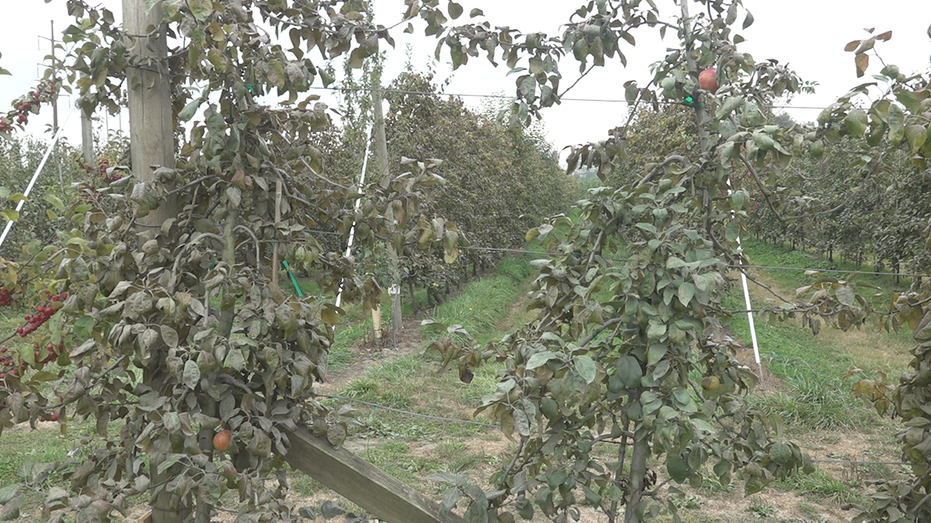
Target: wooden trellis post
(151, 130)
(151, 144)
(361, 482)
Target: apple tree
(166, 322)
(177, 334)
(627, 351)
(892, 115)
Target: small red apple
(221, 441)
(708, 80)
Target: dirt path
(369, 353)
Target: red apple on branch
(708, 80)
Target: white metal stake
(756, 347)
(743, 281)
(352, 230)
(32, 182)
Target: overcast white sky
(809, 35)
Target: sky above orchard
(808, 35)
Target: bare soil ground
(371, 352)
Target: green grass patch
(345, 337)
(759, 253)
(45, 445)
(396, 459)
(820, 484)
(816, 395)
(812, 367)
(417, 383)
(484, 303)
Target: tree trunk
(638, 471)
(621, 458)
(410, 286)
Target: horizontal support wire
(730, 266)
(506, 97)
(489, 425)
(833, 271)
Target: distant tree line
(495, 181)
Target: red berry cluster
(52, 350)
(6, 299)
(29, 104)
(104, 164)
(42, 315)
(90, 188)
(6, 364)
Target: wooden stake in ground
(151, 130)
(361, 482)
(151, 144)
(87, 138)
(395, 314)
(376, 323)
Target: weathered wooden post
(87, 137)
(361, 482)
(151, 129)
(151, 144)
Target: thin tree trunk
(621, 457)
(204, 509)
(410, 286)
(638, 471)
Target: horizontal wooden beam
(361, 482)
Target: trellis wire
(494, 426)
(507, 97)
(729, 266)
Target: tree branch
(664, 163)
(766, 192)
(768, 288)
(189, 184)
(812, 179)
(610, 323)
(579, 79)
(809, 215)
(255, 239)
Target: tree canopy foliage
(177, 333)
